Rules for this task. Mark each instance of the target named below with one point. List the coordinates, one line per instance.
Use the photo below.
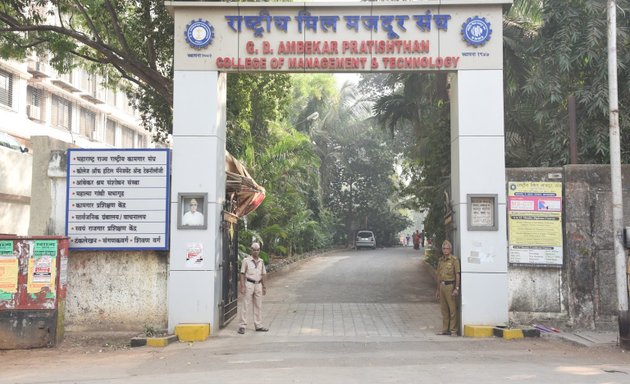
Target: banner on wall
(535, 223)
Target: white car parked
(365, 239)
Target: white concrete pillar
(198, 168)
(478, 167)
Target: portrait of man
(193, 212)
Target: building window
(61, 116)
(34, 103)
(127, 138)
(110, 132)
(111, 97)
(87, 123)
(141, 141)
(6, 89)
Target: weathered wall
(48, 186)
(116, 291)
(582, 293)
(15, 191)
(106, 290)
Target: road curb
(499, 331)
(153, 341)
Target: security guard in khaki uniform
(253, 286)
(448, 276)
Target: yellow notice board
(41, 267)
(8, 268)
(535, 223)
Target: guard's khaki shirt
(447, 269)
(253, 270)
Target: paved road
(350, 317)
(383, 292)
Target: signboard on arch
(329, 37)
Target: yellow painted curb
(512, 334)
(478, 331)
(192, 332)
(157, 342)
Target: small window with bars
(34, 103)
(61, 113)
(6, 89)
(87, 123)
(127, 137)
(110, 132)
(141, 140)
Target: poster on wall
(118, 199)
(41, 268)
(8, 270)
(535, 223)
(194, 255)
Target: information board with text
(535, 223)
(118, 199)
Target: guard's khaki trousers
(449, 308)
(253, 295)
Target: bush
(431, 256)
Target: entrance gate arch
(461, 37)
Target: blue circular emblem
(199, 34)
(476, 31)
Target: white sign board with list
(118, 199)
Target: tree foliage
(131, 40)
(414, 108)
(557, 51)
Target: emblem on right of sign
(476, 31)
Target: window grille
(6, 89)
(127, 138)
(110, 132)
(87, 123)
(61, 113)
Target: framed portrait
(191, 211)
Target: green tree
(564, 53)
(130, 40)
(414, 108)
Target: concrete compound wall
(582, 293)
(15, 191)
(121, 291)
(128, 290)
(106, 290)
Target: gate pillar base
(192, 332)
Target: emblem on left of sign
(199, 34)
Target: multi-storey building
(73, 108)
(35, 100)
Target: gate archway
(463, 38)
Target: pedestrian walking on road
(416, 240)
(448, 273)
(253, 286)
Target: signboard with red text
(338, 37)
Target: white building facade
(75, 108)
(71, 108)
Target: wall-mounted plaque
(482, 212)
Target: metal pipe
(573, 153)
(615, 179)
